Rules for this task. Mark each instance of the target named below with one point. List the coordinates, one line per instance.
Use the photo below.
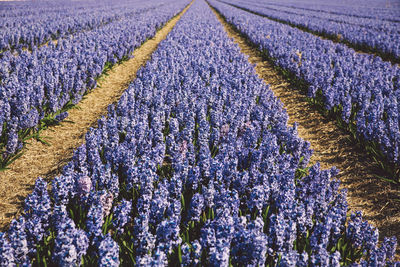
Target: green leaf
(180, 254)
(386, 179)
(183, 201)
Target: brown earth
(47, 160)
(377, 199)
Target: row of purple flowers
(42, 22)
(385, 43)
(362, 90)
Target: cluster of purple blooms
(35, 23)
(376, 35)
(195, 165)
(364, 88)
(38, 84)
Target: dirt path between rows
(47, 161)
(379, 200)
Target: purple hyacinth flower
(108, 252)
(62, 116)
(84, 185)
(6, 252)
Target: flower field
(360, 90)
(66, 72)
(377, 35)
(195, 164)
